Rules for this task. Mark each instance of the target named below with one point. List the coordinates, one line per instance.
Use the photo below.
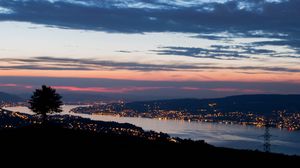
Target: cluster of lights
(290, 121)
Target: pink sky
(216, 75)
(132, 89)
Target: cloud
(292, 43)
(124, 51)
(5, 11)
(239, 18)
(54, 63)
(95, 89)
(222, 52)
(172, 89)
(128, 89)
(8, 85)
(137, 16)
(14, 85)
(222, 89)
(41, 67)
(107, 90)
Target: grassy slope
(65, 142)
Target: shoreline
(191, 120)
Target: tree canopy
(45, 101)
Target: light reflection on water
(233, 136)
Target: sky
(157, 48)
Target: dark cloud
(243, 18)
(292, 43)
(124, 51)
(52, 63)
(39, 67)
(200, 53)
(222, 52)
(116, 16)
(207, 89)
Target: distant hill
(5, 97)
(70, 97)
(244, 103)
(74, 97)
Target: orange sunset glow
(222, 75)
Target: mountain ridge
(264, 103)
(7, 97)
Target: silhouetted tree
(45, 101)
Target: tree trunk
(44, 119)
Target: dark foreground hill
(55, 141)
(78, 139)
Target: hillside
(69, 136)
(5, 97)
(67, 142)
(260, 104)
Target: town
(10, 120)
(279, 118)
